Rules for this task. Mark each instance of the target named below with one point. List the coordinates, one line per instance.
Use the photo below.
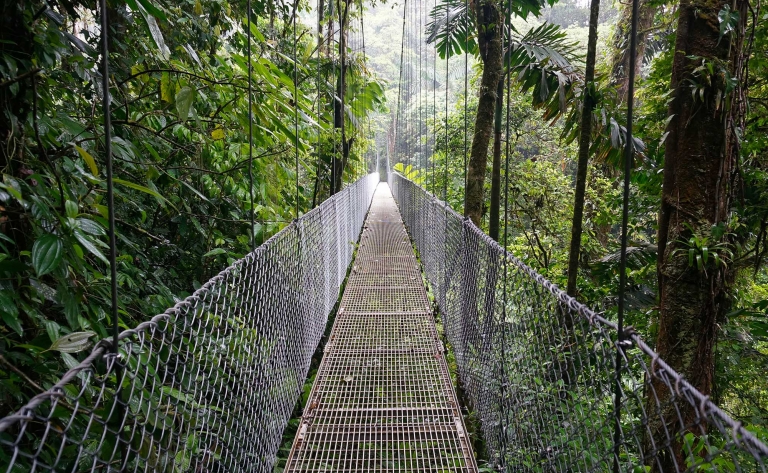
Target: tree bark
(696, 195)
(320, 18)
(341, 149)
(493, 225)
(490, 26)
(620, 57)
(585, 136)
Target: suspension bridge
(210, 384)
(419, 298)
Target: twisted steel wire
(546, 400)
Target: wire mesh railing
(210, 384)
(540, 369)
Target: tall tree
(620, 61)
(585, 136)
(540, 59)
(489, 21)
(700, 163)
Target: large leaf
(141, 188)
(88, 160)
(10, 312)
(46, 253)
(89, 244)
(184, 99)
(452, 29)
(154, 31)
(73, 343)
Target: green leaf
(140, 188)
(91, 227)
(88, 245)
(10, 312)
(73, 343)
(215, 251)
(184, 99)
(46, 253)
(154, 29)
(152, 9)
(71, 209)
(217, 133)
(729, 20)
(166, 87)
(52, 328)
(88, 160)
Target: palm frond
(542, 61)
(451, 29)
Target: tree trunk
(585, 135)
(320, 18)
(490, 26)
(696, 195)
(342, 152)
(493, 225)
(620, 57)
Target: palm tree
(540, 61)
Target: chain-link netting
(540, 369)
(210, 384)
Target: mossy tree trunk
(489, 18)
(696, 195)
(620, 56)
(585, 137)
(342, 148)
(494, 224)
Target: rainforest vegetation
(212, 157)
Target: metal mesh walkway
(383, 399)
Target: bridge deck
(383, 399)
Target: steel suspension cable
(318, 94)
(423, 99)
(343, 19)
(434, 112)
(332, 87)
(369, 134)
(445, 172)
(406, 87)
(400, 85)
(295, 104)
(250, 128)
(107, 111)
(505, 262)
(466, 88)
(114, 313)
(628, 157)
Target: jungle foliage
(183, 194)
(547, 97)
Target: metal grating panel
(384, 299)
(372, 379)
(383, 399)
(385, 332)
(382, 449)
